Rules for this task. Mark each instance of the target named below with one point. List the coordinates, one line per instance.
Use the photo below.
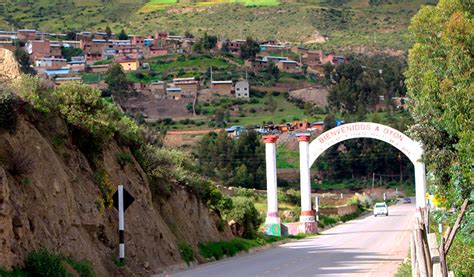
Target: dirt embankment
(54, 206)
(9, 68)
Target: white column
(420, 184)
(272, 198)
(305, 180)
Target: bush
(106, 189)
(186, 251)
(244, 213)
(229, 248)
(8, 114)
(43, 263)
(123, 158)
(18, 163)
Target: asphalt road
(368, 246)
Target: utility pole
(373, 182)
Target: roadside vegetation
(45, 263)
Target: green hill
(352, 25)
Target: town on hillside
(181, 77)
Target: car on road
(406, 200)
(380, 209)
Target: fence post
(420, 253)
(412, 256)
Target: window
(245, 88)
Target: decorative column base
(272, 226)
(307, 216)
(296, 228)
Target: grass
(220, 249)
(44, 263)
(162, 1)
(405, 269)
(200, 63)
(90, 78)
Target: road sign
(127, 199)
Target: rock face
(9, 68)
(54, 205)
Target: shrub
(229, 248)
(106, 188)
(43, 263)
(123, 158)
(8, 115)
(18, 163)
(33, 90)
(244, 213)
(186, 251)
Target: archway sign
(309, 152)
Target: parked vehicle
(380, 209)
(406, 200)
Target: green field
(189, 63)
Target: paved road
(368, 246)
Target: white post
(316, 200)
(420, 184)
(305, 181)
(121, 224)
(272, 197)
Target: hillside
(58, 175)
(357, 25)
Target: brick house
(38, 48)
(137, 41)
(288, 66)
(189, 86)
(151, 51)
(234, 45)
(26, 34)
(94, 49)
(221, 87)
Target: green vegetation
(8, 114)
(186, 251)
(101, 62)
(236, 162)
(203, 62)
(69, 52)
(106, 189)
(441, 89)
(405, 269)
(47, 264)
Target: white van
(380, 208)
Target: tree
(108, 31)
(24, 60)
(122, 35)
(71, 35)
(440, 85)
(205, 43)
(328, 69)
(249, 49)
(273, 70)
(69, 52)
(271, 104)
(117, 82)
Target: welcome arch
(309, 152)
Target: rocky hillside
(54, 195)
(53, 205)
